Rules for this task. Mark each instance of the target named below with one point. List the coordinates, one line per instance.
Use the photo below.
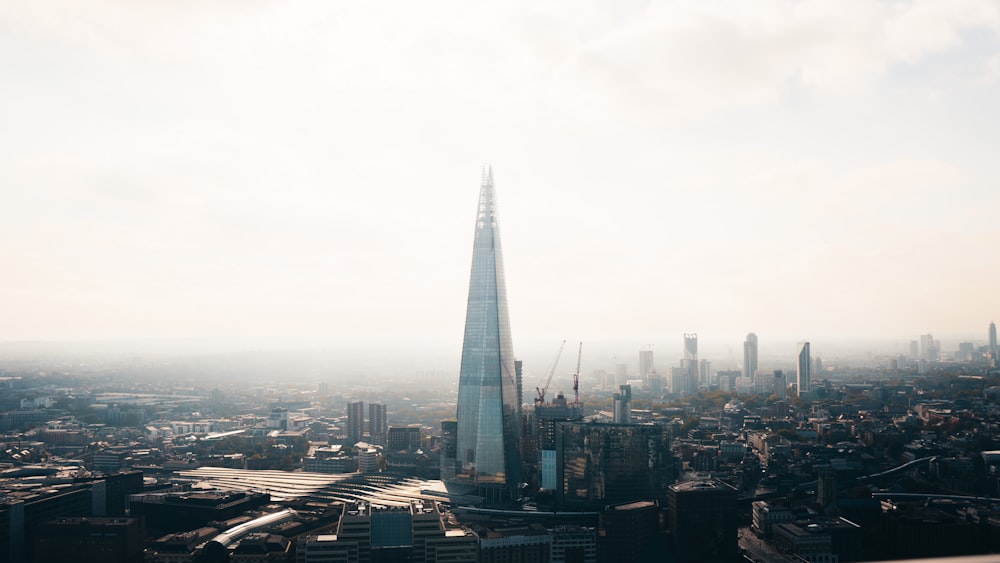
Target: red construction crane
(540, 400)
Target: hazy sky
(308, 172)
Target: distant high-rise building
(803, 374)
(378, 423)
(914, 350)
(780, 385)
(929, 348)
(705, 372)
(489, 413)
(645, 363)
(993, 344)
(355, 421)
(750, 355)
(654, 382)
(691, 347)
(676, 379)
(689, 364)
(623, 405)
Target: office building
(367, 460)
(780, 385)
(690, 362)
(449, 449)
(277, 419)
(623, 405)
(654, 383)
(355, 422)
(546, 419)
(627, 530)
(378, 423)
(766, 514)
(419, 533)
(404, 438)
(489, 414)
(21, 512)
(680, 378)
(918, 528)
(338, 462)
(94, 539)
(929, 348)
(803, 374)
(703, 521)
(599, 464)
(750, 356)
(826, 485)
(573, 544)
(705, 373)
(820, 539)
(514, 545)
(993, 344)
(176, 512)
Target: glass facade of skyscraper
(488, 411)
(598, 464)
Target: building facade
(750, 365)
(404, 438)
(803, 374)
(355, 421)
(378, 423)
(645, 363)
(488, 410)
(599, 464)
(993, 344)
(703, 521)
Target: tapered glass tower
(488, 411)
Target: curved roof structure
(376, 488)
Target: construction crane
(540, 400)
(576, 377)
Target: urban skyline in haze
(300, 175)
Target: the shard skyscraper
(488, 448)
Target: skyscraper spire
(488, 448)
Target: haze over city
(305, 175)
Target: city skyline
(297, 176)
